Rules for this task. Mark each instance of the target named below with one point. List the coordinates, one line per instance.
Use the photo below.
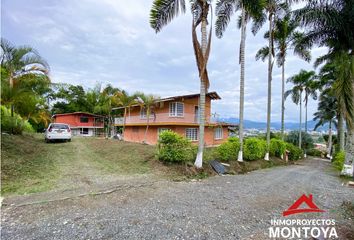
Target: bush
(339, 159)
(254, 149)
(15, 123)
(306, 139)
(174, 148)
(228, 151)
(295, 153)
(277, 147)
(315, 152)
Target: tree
(224, 11)
(21, 62)
(301, 82)
(127, 101)
(330, 24)
(147, 103)
(326, 113)
(273, 9)
(162, 12)
(286, 37)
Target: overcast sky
(110, 41)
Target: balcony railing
(163, 118)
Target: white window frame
(174, 112)
(218, 133)
(192, 136)
(143, 113)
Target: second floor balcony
(162, 118)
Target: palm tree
(301, 82)
(330, 24)
(127, 101)
(147, 103)
(224, 11)
(162, 12)
(273, 9)
(286, 37)
(326, 114)
(21, 61)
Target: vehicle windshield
(59, 126)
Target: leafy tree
(306, 139)
(224, 10)
(273, 9)
(162, 12)
(286, 37)
(21, 62)
(303, 82)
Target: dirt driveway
(222, 207)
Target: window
(176, 109)
(218, 133)
(160, 130)
(192, 134)
(143, 113)
(84, 119)
(84, 131)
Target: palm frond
(163, 11)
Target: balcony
(162, 118)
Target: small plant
(254, 149)
(14, 124)
(315, 152)
(339, 159)
(295, 153)
(174, 148)
(277, 147)
(228, 151)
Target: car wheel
(69, 140)
(47, 140)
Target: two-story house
(81, 123)
(179, 114)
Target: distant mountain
(248, 124)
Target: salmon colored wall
(74, 120)
(162, 112)
(131, 135)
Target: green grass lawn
(30, 165)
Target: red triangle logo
(308, 200)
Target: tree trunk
(341, 135)
(329, 150)
(12, 105)
(282, 98)
(269, 101)
(242, 82)
(300, 127)
(124, 121)
(199, 159)
(147, 123)
(349, 148)
(306, 99)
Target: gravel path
(222, 207)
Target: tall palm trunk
(199, 159)
(270, 66)
(124, 121)
(242, 81)
(306, 99)
(282, 97)
(349, 148)
(11, 80)
(341, 135)
(147, 123)
(329, 149)
(300, 127)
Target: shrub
(228, 151)
(315, 152)
(339, 159)
(295, 153)
(306, 139)
(277, 147)
(254, 148)
(15, 123)
(174, 148)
